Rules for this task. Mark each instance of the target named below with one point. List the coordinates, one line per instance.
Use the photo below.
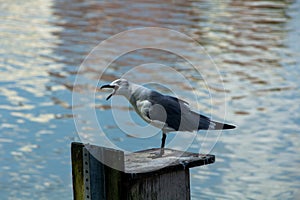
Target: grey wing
(174, 112)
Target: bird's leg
(163, 141)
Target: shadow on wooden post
(135, 176)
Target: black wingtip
(228, 126)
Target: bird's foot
(156, 154)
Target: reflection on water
(254, 44)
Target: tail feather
(206, 123)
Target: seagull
(168, 113)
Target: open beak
(109, 86)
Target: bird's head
(119, 86)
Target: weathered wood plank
(142, 161)
(107, 168)
(77, 170)
(168, 186)
(97, 179)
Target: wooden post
(101, 173)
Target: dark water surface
(255, 45)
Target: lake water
(254, 44)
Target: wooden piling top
(143, 161)
(101, 173)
